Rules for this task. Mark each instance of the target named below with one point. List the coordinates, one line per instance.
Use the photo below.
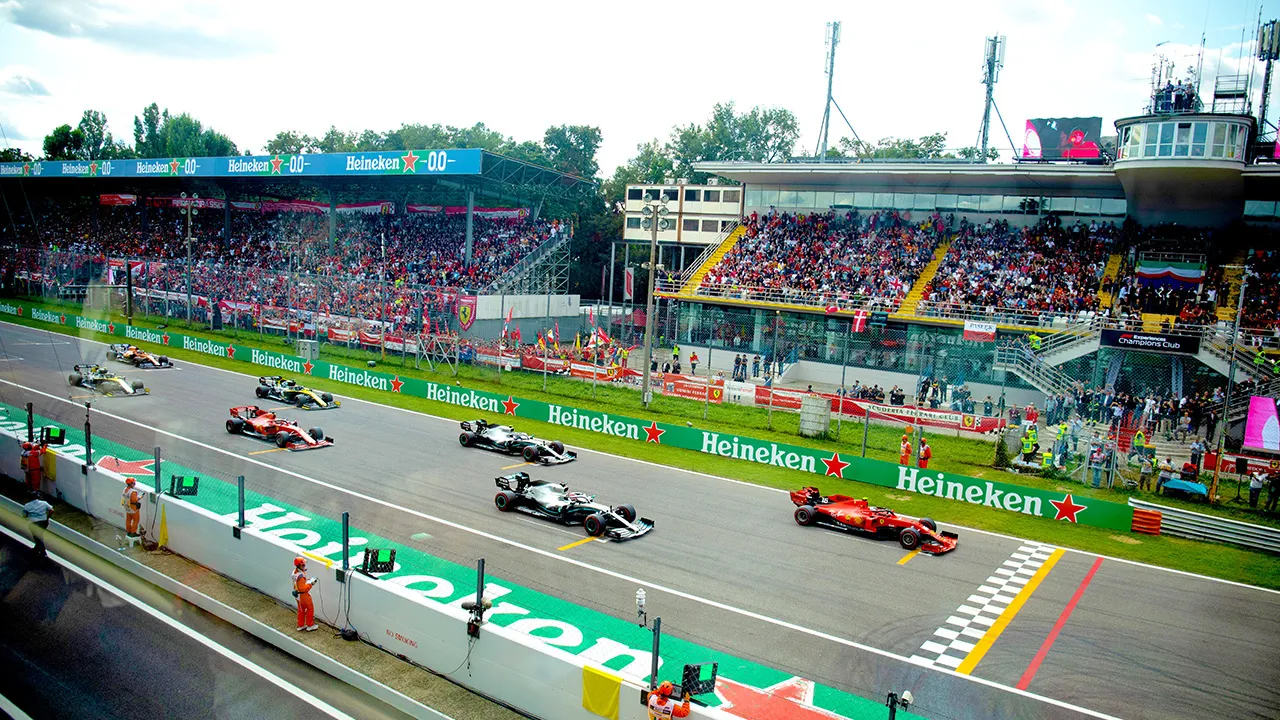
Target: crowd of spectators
(284, 258)
(846, 261)
(994, 269)
(1261, 310)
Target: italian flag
(1155, 271)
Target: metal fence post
(88, 439)
(31, 423)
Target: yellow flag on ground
(600, 692)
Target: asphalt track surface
(727, 567)
(76, 645)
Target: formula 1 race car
(504, 439)
(845, 513)
(263, 424)
(275, 387)
(553, 501)
(137, 356)
(102, 380)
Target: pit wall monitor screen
(1262, 428)
(1063, 139)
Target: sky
(251, 69)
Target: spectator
(1256, 481)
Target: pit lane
(746, 579)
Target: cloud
(24, 85)
(1154, 19)
(95, 20)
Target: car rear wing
(474, 425)
(266, 379)
(516, 482)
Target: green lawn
(951, 454)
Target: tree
(337, 141)
(146, 132)
(760, 135)
(64, 143)
(97, 138)
(12, 154)
(157, 134)
(652, 163)
(289, 142)
(974, 153)
(572, 149)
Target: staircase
(1151, 322)
(1217, 349)
(545, 271)
(710, 259)
(1113, 267)
(1227, 305)
(1032, 368)
(1072, 342)
(912, 300)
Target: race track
(726, 565)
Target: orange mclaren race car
(137, 356)
(842, 512)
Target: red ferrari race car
(263, 424)
(842, 512)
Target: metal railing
(1198, 526)
(1085, 331)
(1003, 316)
(710, 250)
(1040, 374)
(824, 299)
(528, 262)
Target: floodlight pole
(188, 209)
(655, 210)
(1231, 377)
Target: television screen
(1063, 138)
(1262, 428)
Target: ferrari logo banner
(466, 311)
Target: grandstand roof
(936, 177)
(487, 172)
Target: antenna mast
(991, 72)
(833, 39)
(1268, 52)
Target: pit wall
(998, 495)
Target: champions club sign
(1151, 342)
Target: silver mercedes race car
(553, 501)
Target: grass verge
(950, 453)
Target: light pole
(1231, 377)
(655, 219)
(189, 209)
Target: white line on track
(586, 566)
(258, 670)
(13, 711)
(697, 473)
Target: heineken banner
(1054, 505)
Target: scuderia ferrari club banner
(1050, 504)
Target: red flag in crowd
(859, 321)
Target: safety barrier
(1198, 526)
(1146, 522)
(504, 664)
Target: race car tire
(909, 539)
(594, 524)
(235, 426)
(467, 439)
(74, 379)
(282, 439)
(531, 453)
(261, 392)
(300, 400)
(626, 512)
(805, 515)
(929, 523)
(137, 385)
(505, 501)
(316, 433)
(557, 447)
(164, 360)
(111, 355)
(327, 398)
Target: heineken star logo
(231, 352)
(396, 383)
(653, 433)
(509, 406)
(111, 327)
(276, 162)
(165, 338)
(307, 367)
(173, 167)
(1067, 508)
(410, 162)
(93, 168)
(835, 466)
(26, 168)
